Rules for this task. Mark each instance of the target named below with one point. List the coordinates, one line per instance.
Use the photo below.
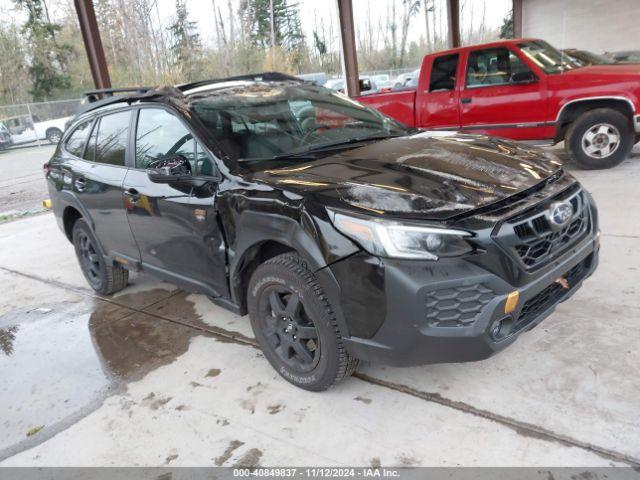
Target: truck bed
(398, 104)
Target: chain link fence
(31, 124)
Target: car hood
(427, 175)
(608, 71)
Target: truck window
(492, 66)
(443, 73)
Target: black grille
(535, 242)
(457, 306)
(549, 296)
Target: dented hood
(423, 175)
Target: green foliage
(14, 77)
(48, 58)
(185, 43)
(506, 29)
(255, 16)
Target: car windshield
(549, 59)
(254, 121)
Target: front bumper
(446, 311)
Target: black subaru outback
(343, 234)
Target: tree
(48, 59)
(185, 42)
(14, 76)
(287, 27)
(506, 29)
(410, 8)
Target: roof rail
(92, 100)
(265, 76)
(94, 95)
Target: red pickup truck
(524, 89)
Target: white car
(25, 128)
(50, 129)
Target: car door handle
(80, 184)
(465, 100)
(132, 194)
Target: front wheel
(295, 325)
(600, 138)
(102, 277)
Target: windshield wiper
(308, 154)
(350, 141)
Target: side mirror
(522, 78)
(175, 170)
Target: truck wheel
(599, 138)
(295, 325)
(103, 278)
(54, 135)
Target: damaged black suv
(345, 235)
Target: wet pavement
(156, 376)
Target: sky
(312, 12)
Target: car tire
(54, 135)
(104, 278)
(295, 324)
(600, 138)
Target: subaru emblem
(559, 214)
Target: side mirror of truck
(522, 78)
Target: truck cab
(524, 89)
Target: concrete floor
(154, 376)
(21, 191)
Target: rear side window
(493, 66)
(76, 141)
(111, 139)
(443, 73)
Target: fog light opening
(501, 329)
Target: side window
(492, 66)
(75, 143)
(443, 73)
(204, 166)
(111, 140)
(161, 134)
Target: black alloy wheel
(288, 328)
(89, 258)
(103, 277)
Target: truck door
(502, 96)
(437, 104)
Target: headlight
(398, 240)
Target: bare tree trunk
(213, 4)
(426, 22)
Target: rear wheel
(599, 138)
(295, 325)
(102, 277)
